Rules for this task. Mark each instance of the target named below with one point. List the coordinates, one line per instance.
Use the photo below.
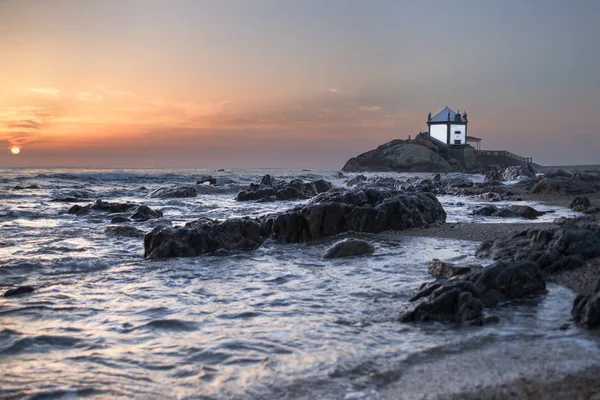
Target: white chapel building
(448, 126)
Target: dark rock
(436, 178)
(356, 180)
(493, 175)
(399, 156)
(119, 220)
(123, 230)
(441, 269)
(485, 211)
(552, 249)
(586, 309)
(505, 213)
(67, 200)
(580, 204)
(270, 189)
(174, 192)
(206, 180)
(29, 187)
(368, 210)
(144, 213)
(459, 183)
(204, 236)
(491, 196)
(463, 298)
(525, 211)
(562, 185)
(18, 291)
(349, 248)
(559, 173)
(79, 210)
(328, 214)
(100, 205)
(518, 172)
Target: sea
(278, 322)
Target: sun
(15, 150)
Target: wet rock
(28, 187)
(485, 211)
(18, 291)
(174, 192)
(462, 299)
(518, 172)
(368, 210)
(441, 269)
(67, 200)
(203, 236)
(580, 204)
(206, 180)
(525, 211)
(559, 173)
(493, 175)
(436, 178)
(552, 249)
(119, 220)
(270, 189)
(491, 196)
(586, 309)
(124, 230)
(79, 210)
(349, 248)
(100, 205)
(562, 185)
(505, 213)
(459, 183)
(144, 213)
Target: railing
(504, 153)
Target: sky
(291, 84)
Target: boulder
(462, 299)
(525, 211)
(28, 187)
(119, 220)
(562, 185)
(206, 180)
(368, 210)
(553, 250)
(493, 175)
(518, 172)
(271, 189)
(485, 211)
(174, 192)
(459, 183)
(398, 156)
(580, 204)
(100, 205)
(491, 196)
(124, 230)
(328, 214)
(349, 248)
(18, 291)
(144, 213)
(203, 236)
(586, 309)
(441, 269)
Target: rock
(485, 211)
(29, 187)
(144, 213)
(525, 211)
(349, 248)
(100, 205)
(559, 173)
(551, 249)
(67, 200)
(518, 172)
(206, 180)
(356, 180)
(368, 210)
(328, 214)
(463, 298)
(203, 236)
(580, 204)
(18, 291)
(562, 185)
(440, 269)
(124, 230)
(493, 175)
(436, 178)
(586, 309)
(79, 210)
(505, 213)
(119, 220)
(456, 165)
(491, 196)
(398, 156)
(174, 192)
(270, 189)
(459, 183)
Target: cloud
(46, 91)
(28, 124)
(330, 90)
(369, 108)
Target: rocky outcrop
(564, 185)
(586, 309)
(101, 205)
(271, 189)
(367, 210)
(441, 269)
(399, 156)
(463, 299)
(28, 187)
(174, 192)
(513, 211)
(580, 204)
(518, 172)
(556, 249)
(204, 236)
(144, 213)
(349, 248)
(206, 180)
(328, 214)
(18, 291)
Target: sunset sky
(281, 83)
